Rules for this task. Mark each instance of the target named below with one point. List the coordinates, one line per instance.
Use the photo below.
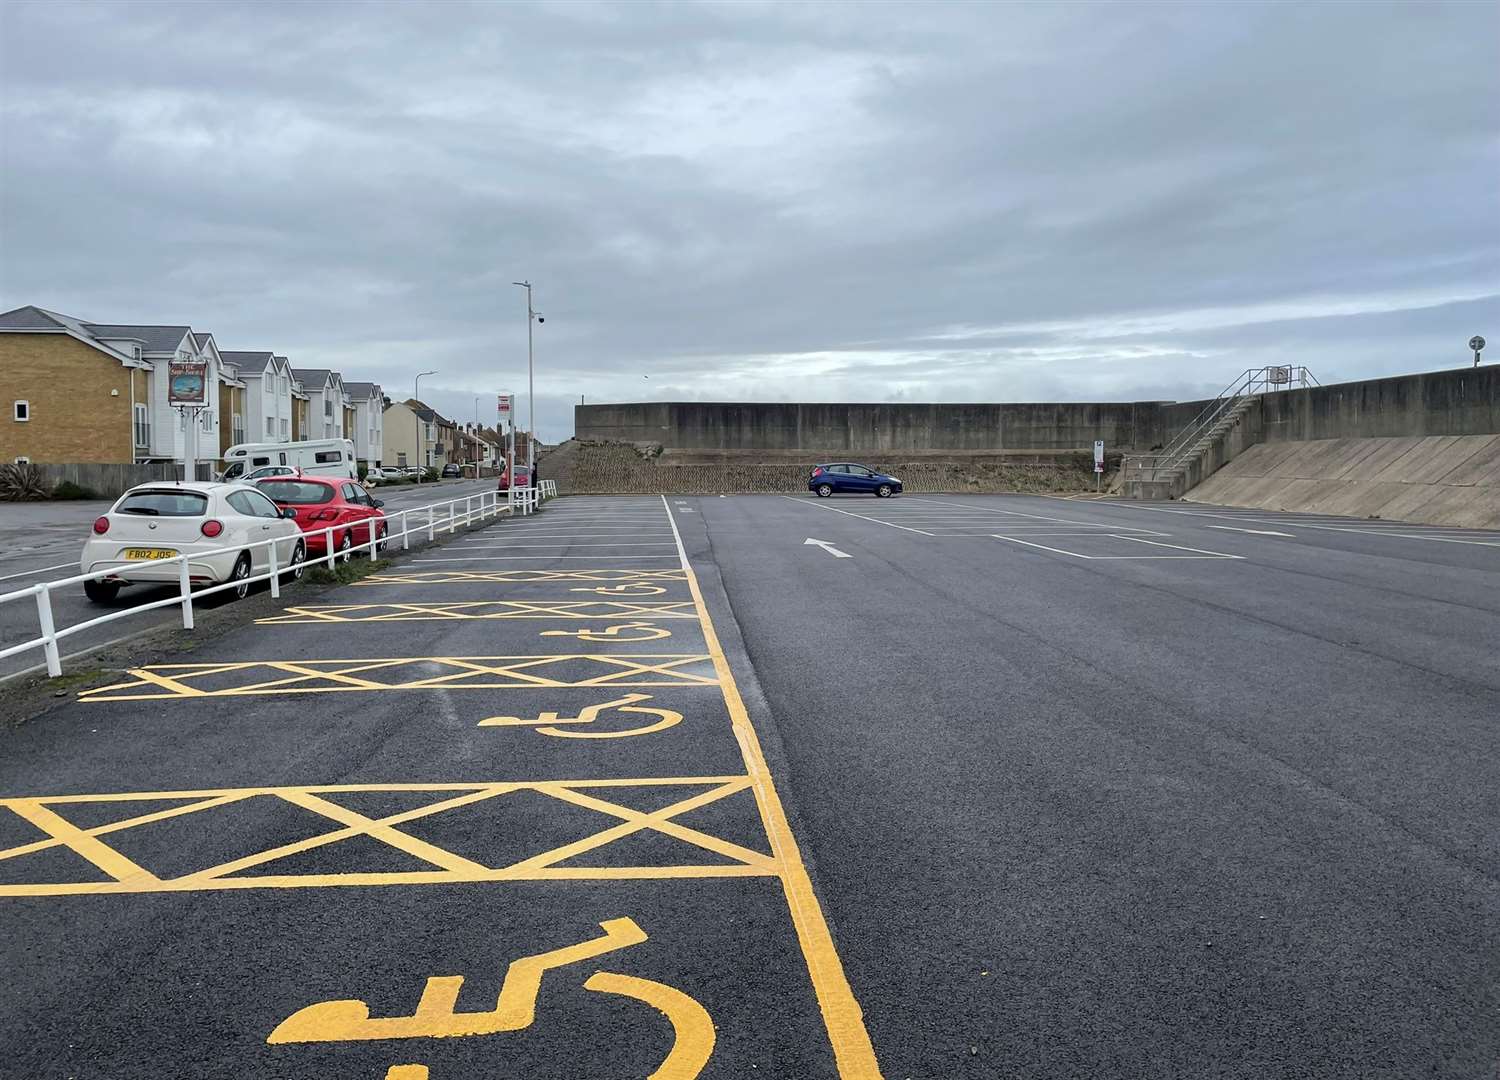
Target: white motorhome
(324, 457)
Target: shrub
(364, 471)
(69, 490)
(429, 474)
(21, 483)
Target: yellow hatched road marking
(129, 877)
(451, 577)
(455, 673)
(485, 609)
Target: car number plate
(150, 553)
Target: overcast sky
(927, 202)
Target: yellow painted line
(450, 868)
(577, 610)
(90, 847)
(463, 673)
(842, 1015)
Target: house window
(283, 429)
(238, 430)
(135, 351)
(142, 426)
(23, 461)
(206, 420)
(21, 411)
(270, 428)
(328, 407)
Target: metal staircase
(1170, 464)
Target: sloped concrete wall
(1434, 479)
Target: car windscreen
(296, 492)
(164, 504)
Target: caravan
(322, 457)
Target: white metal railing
(476, 507)
(1178, 453)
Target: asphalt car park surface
(41, 542)
(974, 787)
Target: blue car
(849, 477)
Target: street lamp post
(416, 395)
(531, 317)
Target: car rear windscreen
(164, 504)
(296, 492)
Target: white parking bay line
(40, 570)
(1044, 547)
(1177, 547)
(564, 544)
(861, 517)
(1253, 532)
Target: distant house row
(80, 391)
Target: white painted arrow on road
(826, 546)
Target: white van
(324, 457)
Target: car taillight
(212, 528)
(101, 526)
(818, 471)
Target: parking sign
(1098, 455)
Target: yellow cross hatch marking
(485, 609)
(48, 813)
(453, 577)
(405, 673)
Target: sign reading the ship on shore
(1098, 455)
(506, 402)
(187, 384)
(1279, 376)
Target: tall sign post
(1098, 463)
(187, 392)
(1477, 344)
(507, 417)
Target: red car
(321, 502)
(523, 477)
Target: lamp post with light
(531, 317)
(416, 395)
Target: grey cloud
(782, 201)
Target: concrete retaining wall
(1436, 479)
(836, 429)
(1465, 401)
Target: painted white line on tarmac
(1178, 547)
(1044, 547)
(565, 544)
(826, 546)
(1253, 532)
(846, 513)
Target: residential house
(38, 365)
(69, 396)
(232, 395)
(368, 421)
(409, 439)
(325, 402)
(268, 395)
(301, 416)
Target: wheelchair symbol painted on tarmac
(436, 1016)
(637, 589)
(626, 704)
(631, 631)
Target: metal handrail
(1249, 383)
(488, 506)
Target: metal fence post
(405, 531)
(187, 595)
(275, 576)
(374, 536)
(431, 516)
(452, 514)
(49, 632)
(328, 545)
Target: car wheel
(825, 490)
(101, 592)
(240, 577)
(299, 561)
(883, 491)
(380, 534)
(345, 543)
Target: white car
(212, 524)
(374, 476)
(267, 470)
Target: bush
(429, 475)
(364, 471)
(21, 483)
(69, 490)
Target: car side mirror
(289, 513)
(377, 503)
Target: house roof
(247, 362)
(152, 338)
(32, 319)
(316, 378)
(362, 389)
(202, 339)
